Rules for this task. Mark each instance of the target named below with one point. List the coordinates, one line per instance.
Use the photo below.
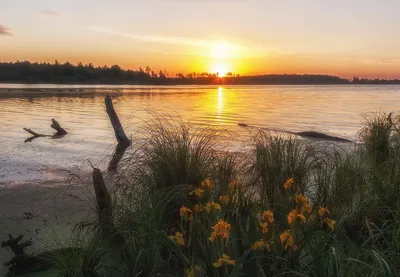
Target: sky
(341, 37)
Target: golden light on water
(220, 101)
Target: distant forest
(67, 73)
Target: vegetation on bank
(288, 207)
(67, 73)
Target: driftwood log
(116, 124)
(104, 203)
(306, 134)
(54, 124)
(22, 263)
(123, 140)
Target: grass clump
(290, 207)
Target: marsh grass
(360, 189)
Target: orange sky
(248, 37)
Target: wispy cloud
(5, 31)
(219, 49)
(381, 62)
(49, 12)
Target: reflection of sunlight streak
(220, 101)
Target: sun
(220, 69)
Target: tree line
(67, 73)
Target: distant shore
(46, 73)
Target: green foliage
(181, 205)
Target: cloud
(218, 49)
(49, 12)
(5, 31)
(381, 62)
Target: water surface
(336, 110)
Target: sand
(45, 212)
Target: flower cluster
(212, 206)
(221, 229)
(224, 260)
(260, 245)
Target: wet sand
(45, 212)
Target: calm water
(336, 110)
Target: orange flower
(331, 223)
(225, 260)
(287, 240)
(221, 229)
(293, 215)
(323, 211)
(224, 199)
(185, 211)
(197, 192)
(268, 216)
(260, 244)
(178, 238)
(212, 205)
(300, 199)
(264, 227)
(207, 183)
(306, 209)
(288, 183)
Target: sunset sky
(341, 37)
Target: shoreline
(45, 211)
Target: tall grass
(177, 188)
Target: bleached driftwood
(123, 140)
(116, 124)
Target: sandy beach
(46, 212)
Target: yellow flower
(306, 209)
(288, 183)
(293, 215)
(197, 192)
(258, 244)
(234, 184)
(288, 240)
(212, 205)
(224, 199)
(301, 217)
(185, 211)
(207, 183)
(300, 199)
(323, 211)
(198, 208)
(331, 223)
(225, 260)
(193, 271)
(220, 229)
(178, 238)
(268, 216)
(264, 227)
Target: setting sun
(220, 69)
